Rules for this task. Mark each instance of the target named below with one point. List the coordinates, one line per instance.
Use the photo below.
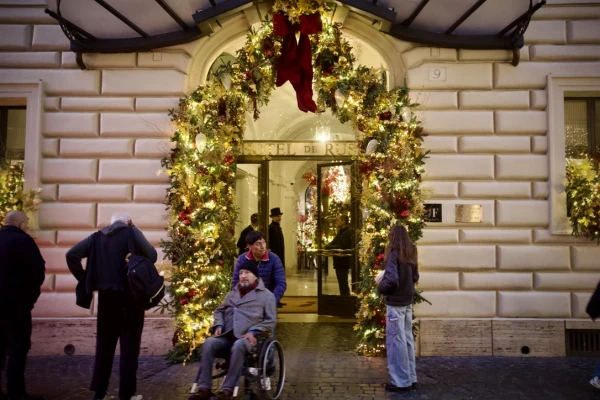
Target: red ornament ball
(229, 159)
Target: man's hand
(217, 331)
(250, 337)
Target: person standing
(118, 317)
(276, 235)
(241, 243)
(398, 288)
(593, 310)
(270, 269)
(22, 272)
(343, 240)
(276, 244)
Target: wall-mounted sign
(279, 148)
(468, 213)
(434, 213)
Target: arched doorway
(282, 150)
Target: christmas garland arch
(210, 128)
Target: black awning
(100, 26)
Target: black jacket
(276, 241)
(241, 243)
(593, 307)
(398, 283)
(22, 271)
(105, 251)
(343, 240)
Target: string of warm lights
(12, 194)
(201, 168)
(583, 196)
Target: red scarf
(245, 290)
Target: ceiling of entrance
(114, 26)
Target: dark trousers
(15, 340)
(118, 319)
(342, 277)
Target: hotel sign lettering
(337, 148)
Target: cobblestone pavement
(321, 364)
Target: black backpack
(145, 283)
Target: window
(12, 133)
(569, 133)
(582, 126)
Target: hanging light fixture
(322, 129)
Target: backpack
(145, 283)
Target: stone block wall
(487, 124)
(104, 131)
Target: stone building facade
(517, 279)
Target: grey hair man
(22, 272)
(118, 317)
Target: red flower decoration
(405, 213)
(187, 222)
(202, 170)
(380, 257)
(229, 159)
(183, 301)
(191, 293)
(181, 215)
(385, 116)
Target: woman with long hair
(398, 288)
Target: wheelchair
(263, 373)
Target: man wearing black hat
(276, 235)
(276, 239)
(248, 310)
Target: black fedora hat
(275, 212)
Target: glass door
(337, 227)
(251, 192)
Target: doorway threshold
(311, 318)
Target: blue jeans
(400, 345)
(597, 373)
(238, 348)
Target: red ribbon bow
(295, 63)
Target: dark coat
(270, 271)
(343, 240)
(241, 243)
(22, 271)
(255, 312)
(398, 283)
(593, 307)
(276, 241)
(105, 251)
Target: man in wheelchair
(248, 310)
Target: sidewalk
(321, 364)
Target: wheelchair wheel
(218, 374)
(272, 370)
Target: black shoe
(279, 305)
(414, 386)
(283, 304)
(391, 388)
